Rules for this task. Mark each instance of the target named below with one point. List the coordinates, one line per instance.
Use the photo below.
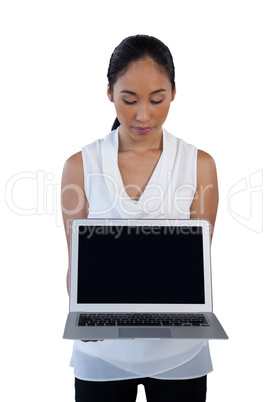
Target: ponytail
(116, 124)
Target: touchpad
(144, 333)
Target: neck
(140, 143)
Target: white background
(54, 60)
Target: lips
(143, 130)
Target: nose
(143, 113)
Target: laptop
(141, 279)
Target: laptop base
(73, 331)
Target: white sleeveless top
(168, 194)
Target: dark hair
(139, 47)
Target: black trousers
(193, 390)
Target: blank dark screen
(140, 265)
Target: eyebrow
(125, 91)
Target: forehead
(143, 75)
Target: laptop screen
(132, 264)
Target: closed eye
(133, 102)
(156, 102)
(129, 103)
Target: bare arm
(205, 203)
(73, 199)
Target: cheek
(125, 113)
(164, 111)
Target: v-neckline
(156, 187)
(153, 178)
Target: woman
(140, 170)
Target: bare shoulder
(205, 161)
(206, 167)
(74, 162)
(73, 199)
(205, 203)
(73, 168)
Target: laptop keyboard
(143, 319)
